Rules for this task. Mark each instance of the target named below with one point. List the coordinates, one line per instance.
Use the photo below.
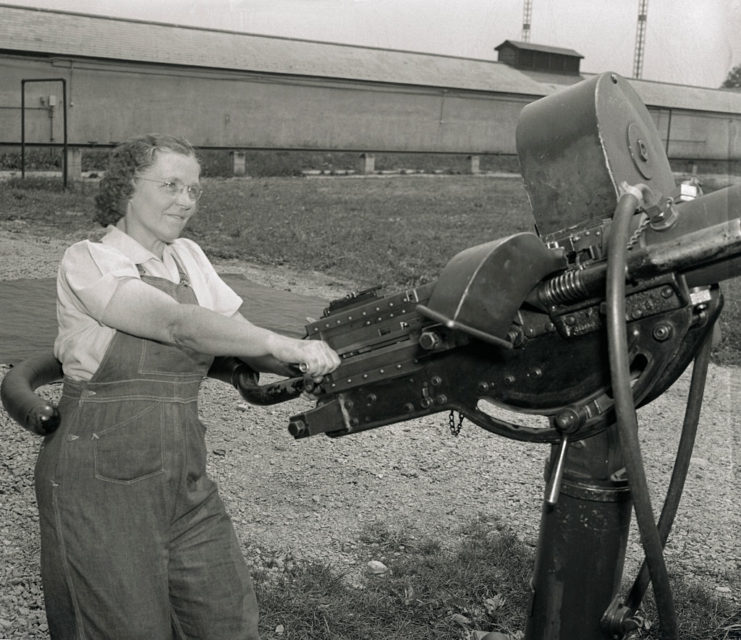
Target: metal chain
(455, 429)
(635, 236)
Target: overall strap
(182, 275)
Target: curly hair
(126, 160)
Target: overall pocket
(131, 450)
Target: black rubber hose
(682, 463)
(626, 418)
(18, 395)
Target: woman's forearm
(209, 332)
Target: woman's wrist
(282, 347)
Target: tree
(733, 81)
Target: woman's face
(163, 200)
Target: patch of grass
(35, 183)
(480, 584)
(428, 593)
(701, 614)
(395, 232)
(728, 351)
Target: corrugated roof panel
(678, 96)
(69, 34)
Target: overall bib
(135, 541)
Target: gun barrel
(703, 245)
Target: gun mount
(596, 312)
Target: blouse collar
(128, 246)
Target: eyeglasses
(175, 187)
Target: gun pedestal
(582, 543)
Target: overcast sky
(693, 42)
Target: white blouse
(87, 279)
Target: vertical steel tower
(527, 14)
(640, 39)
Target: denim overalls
(135, 541)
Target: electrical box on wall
(52, 101)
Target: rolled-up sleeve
(91, 272)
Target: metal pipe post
(583, 538)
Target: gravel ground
(311, 498)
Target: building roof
(529, 46)
(680, 96)
(74, 35)
(60, 33)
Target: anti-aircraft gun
(596, 313)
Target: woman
(135, 539)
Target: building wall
(699, 135)
(108, 102)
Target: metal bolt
(436, 380)
(372, 397)
(408, 407)
(509, 379)
(568, 420)
(296, 428)
(662, 332)
(642, 150)
(428, 340)
(666, 292)
(442, 399)
(483, 387)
